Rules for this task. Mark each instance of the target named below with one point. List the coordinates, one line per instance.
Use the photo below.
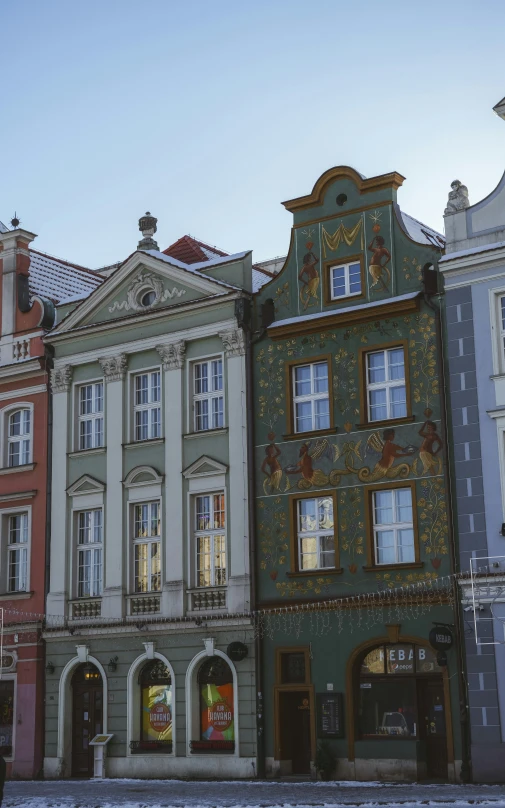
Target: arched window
(155, 709)
(217, 725)
(399, 694)
(19, 432)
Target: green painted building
(351, 493)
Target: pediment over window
(204, 467)
(143, 475)
(85, 485)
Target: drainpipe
(466, 771)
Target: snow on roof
(335, 312)
(499, 245)
(59, 280)
(421, 232)
(195, 268)
(260, 278)
(3, 228)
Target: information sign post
(99, 742)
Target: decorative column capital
(61, 379)
(233, 341)
(114, 367)
(172, 354)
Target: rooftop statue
(458, 198)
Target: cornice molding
(61, 379)
(172, 354)
(233, 341)
(392, 180)
(114, 367)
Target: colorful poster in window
(156, 713)
(217, 722)
(400, 658)
(6, 717)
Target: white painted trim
(76, 386)
(130, 684)
(98, 487)
(190, 389)
(129, 481)
(494, 319)
(130, 399)
(64, 709)
(463, 265)
(149, 343)
(24, 391)
(191, 688)
(208, 487)
(217, 468)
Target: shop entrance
(87, 716)
(432, 725)
(294, 731)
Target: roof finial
(15, 222)
(147, 226)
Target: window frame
(93, 416)
(363, 383)
(147, 540)
(290, 397)
(7, 547)
(6, 414)
(209, 396)
(370, 527)
(149, 406)
(346, 261)
(212, 533)
(92, 546)
(294, 538)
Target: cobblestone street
(178, 793)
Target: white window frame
(94, 416)
(497, 330)
(213, 534)
(5, 414)
(150, 406)
(318, 534)
(346, 267)
(394, 526)
(150, 540)
(210, 396)
(311, 397)
(7, 547)
(386, 385)
(92, 547)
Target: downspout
(466, 772)
(48, 356)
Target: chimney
(14, 272)
(147, 226)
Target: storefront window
(217, 724)
(156, 708)
(389, 689)
(6, 716)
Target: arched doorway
(400, 694)
(87, 716)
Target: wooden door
(433, 726)
(87, 722)
(295, 730)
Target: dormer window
(345, 280)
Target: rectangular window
(311, 401)
(345, 280)
(210, 520)
(19, 437)
(208, 395)
(17, 553)
(89, 553)
(91, 416)
(147, 548)
(316, 533)
(393, 526)
(385, 381)
(502, 329)
(147, 406)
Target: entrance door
(87, 694)
(432, 726)
(294, 731)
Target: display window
(217, 720)
(6, 717)
(156, 707)
(390, 684)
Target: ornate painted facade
(351, 480)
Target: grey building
(474, 274)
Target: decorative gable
(85, 485)
(145, 292)
(205, 473)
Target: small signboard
(441, 638)
(330, 715)
(100, 740)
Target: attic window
(148, 298)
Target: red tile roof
(190, 251)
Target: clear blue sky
(209, 113)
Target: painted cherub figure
(378, 265)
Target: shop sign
(400, 658)
(441, 638)
(160, 717)
(237, 651)
(330, 715)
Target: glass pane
(383, 507)
(86, 400)
(292, 668)
(400, 659)
(385, 542)
(322, 411)
(321, 377)
(303, 419)
(354, 279)
(373, 662)
(378, 405)
(155, 519)
(15, 424)
(217, 412)
(156, 713)
(201, 378)
(338, 281)
(155, 567)
(396, 364)
(141, 389)
(201, 414)
(398, 401)
(203, 513)
(98, 432)
(403, 498)
(302, 380)
(204, 561)
(376, 367)
(308, 553)
(426, 659)
(307, 514)
(218, 503)
(85, 431)
(141, 523)
(155, 431)
(155, 387)
(141, 568)
(406, 551)
(99, 397)
(388, 708)
(217, 374)
(219, 560)
(84, 573)
(325, 507)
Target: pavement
(257, 793)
